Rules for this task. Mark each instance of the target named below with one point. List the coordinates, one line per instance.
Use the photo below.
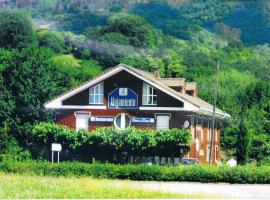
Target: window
(201, 152)
(209, 134)
(122, 121)
(216, 135)
(208, 131)
(216, 153)
(82, 120)
(149, 95)
(208, 152)
(163, 122)
(96, 94)
(202, 135)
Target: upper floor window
(149, 95)
(96, 94)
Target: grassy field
(26, 186)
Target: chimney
(156, 72)
(183, 87)
(191, 89)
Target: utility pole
(214, 114)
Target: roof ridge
(160, 78)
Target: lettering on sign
(143, 120)
(101, 119)
(122, 98)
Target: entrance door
(82, 120)
(163, 122)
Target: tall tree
(31, 79)
(16, 30)
(243, 142)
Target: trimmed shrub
(108, 142)
(197, 173)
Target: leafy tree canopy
(16, 30)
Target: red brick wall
(201, 132)
(67, 117)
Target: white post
(58, 157)
(52, 156)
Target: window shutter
(163, 122)
(82, 121)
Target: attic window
(149, 95)
(96, 94)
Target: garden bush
(196, 173)
(110, 141)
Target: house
(125, 96)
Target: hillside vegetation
(70, 43)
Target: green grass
(26, 186)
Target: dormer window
(96, 94)
(149, 95)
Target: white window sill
(97, 107)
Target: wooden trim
(84, 107)
(161, 108)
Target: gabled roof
(193, 104)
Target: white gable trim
(57, 103)
(84, 107)
(162, 108)
(187, 105)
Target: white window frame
(87, 117)
(148, 93)
(97, 91)
(122, 121)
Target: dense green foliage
(136, 30)
(16, 30)
(52, 40)
(110, 141)
(205, 32)
(206, 174)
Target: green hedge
(207, 174)
(108, 140)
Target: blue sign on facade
(122, 98)
(143, 120)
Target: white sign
(142, 120)
(56, 147)
(101, 119)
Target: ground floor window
(122, 121)
(162, 121)
(208, 152)
(216, 152)
(82, 121)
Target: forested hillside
(72, 41)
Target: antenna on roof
(214, 114)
